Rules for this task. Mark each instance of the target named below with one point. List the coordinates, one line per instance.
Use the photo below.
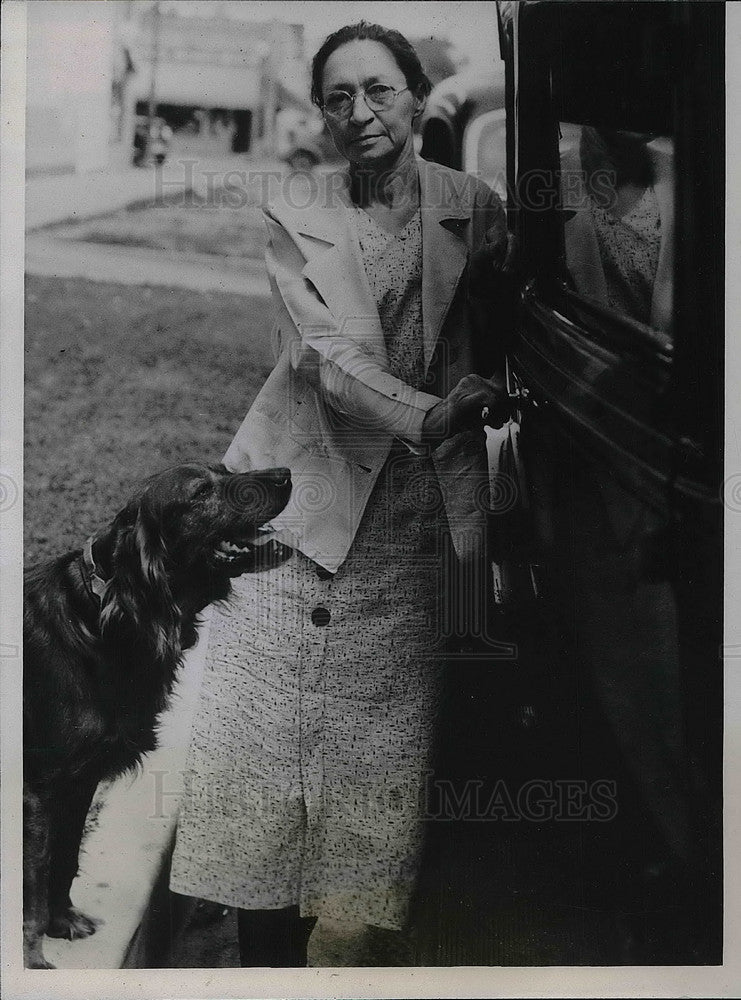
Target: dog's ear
(138, 606)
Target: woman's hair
(406, 58)
(609, 160)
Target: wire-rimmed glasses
(378, 97)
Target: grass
(124, 381)
(224, 223)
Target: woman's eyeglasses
(378, 97)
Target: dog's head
(208, 516)
(180, 538)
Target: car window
(617, 192)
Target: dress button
(320, 616)
(323, 574)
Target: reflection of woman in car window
(619, 241)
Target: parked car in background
(151, 142)
(464, 125)
(302, 141)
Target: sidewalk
(71, 197)
(67, 197)
(57, 258)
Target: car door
(615, 178)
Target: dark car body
(621, 420)
(616, 545)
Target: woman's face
(366, 137)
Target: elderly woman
(312, 741)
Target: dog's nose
(281, 477)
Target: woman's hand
(466, 407)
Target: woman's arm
(333, 358)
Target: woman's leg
(274, 939)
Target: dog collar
(97, 583)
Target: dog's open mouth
(228, 551)
(261, 551)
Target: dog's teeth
(228, 550)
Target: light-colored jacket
(330, 410)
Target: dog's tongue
(264, 534)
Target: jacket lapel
(444, 251)
(335, 268)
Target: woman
(312, 740)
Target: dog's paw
(34, 959)
(39, 963)
(72, 924)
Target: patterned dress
(311, 745)
(629, 249)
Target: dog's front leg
(68, 822)
(35, 879)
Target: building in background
(90, 66)
(215, 72)
(212, 75)
(79, 93)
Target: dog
(105, 628)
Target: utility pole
(152, 102)
(272, 62)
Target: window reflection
(485, 150)
(618, 199)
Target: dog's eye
(201, 490)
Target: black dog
(104, 633)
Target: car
(302, 140)
(464, 125)
(608, 123)
(615, 158)
(151, 142)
